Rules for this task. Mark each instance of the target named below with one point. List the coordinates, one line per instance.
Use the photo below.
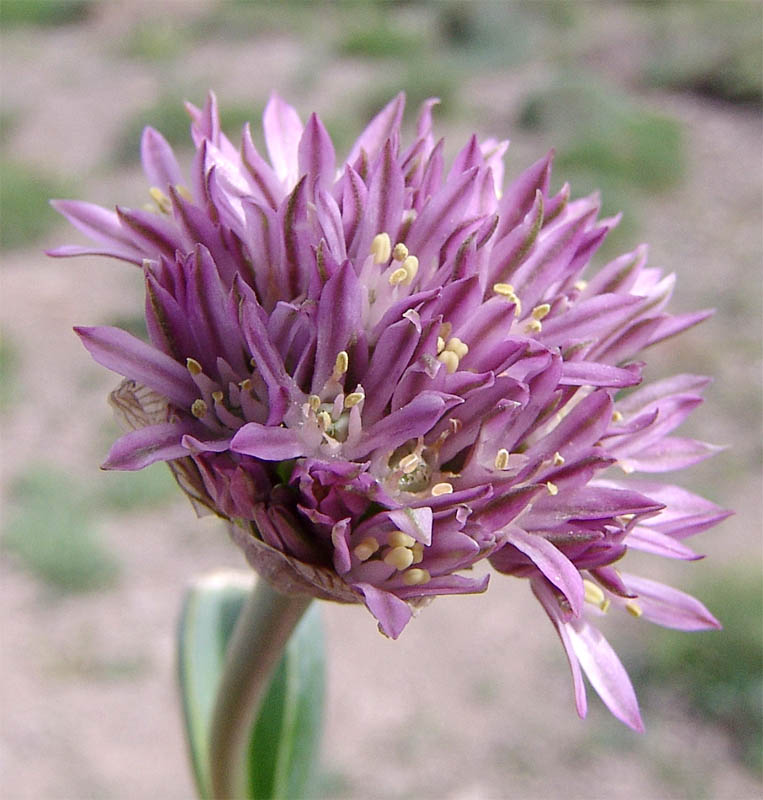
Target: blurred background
(658, 104)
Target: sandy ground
(474, 700)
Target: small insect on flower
(385, 370)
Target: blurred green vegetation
(169, 116)
(8, 371)
(51, 529)
(51, 533)
(25, 214)
(710, 48)
(43, 12)
(718, 673)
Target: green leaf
(285, 737)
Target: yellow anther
(246, 385)
(399, 557)
(398, 276)
(400, 539)
(617, 416)
(193, 366)
(324, 420)
(353, 398)
(442, 488)
(341, 363)
(553, 489)
(580, 285)
(418, 553)
(593, 593)
(625, 467)
(409, 463)
(161, 199)
(314, 402)
(218, 396)
(400, 252)
(199, 408)
(455, 345)
(366, 548)
(541, 311)
(502, 459)
(558, 459)
(415, 577)
(381, 248)
(183, 191)
(411, 267)
(533, 326)
(505, 289)
(440, 344)
(450, 359)
(634, 609)
(605, 606)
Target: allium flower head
(385, 371)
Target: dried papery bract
(384, 371)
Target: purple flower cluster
(385, 371)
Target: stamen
(381, 247)
(558, 459)
(450, 359)
(533, 326)
(341, 363)
(502, 458)
(324, 420)
(161, 199)
(415, 577)
(353, 398)
(617, 416)
(184, 192)
(314, 402)
(441, 488)
(411, 267)
(593, 593)
(400, 252)
(398, 276)
(418, 553)
(366, 548)
(400, 539)
(440, 344)
(634, 609)
(541, 311)
(408, 463)
(246, 385)
(580, 285)
(199, 408)
(507, 290)
(553, 489)
(455, 345)
(399, 557)
(193, 366)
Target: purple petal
(338, 315)
(590, 373)
(550, 603)
(416, 522)
(652, 541)
(145, 446)
(671, 453)
(159, 162)
(268, 442)
(316, 155)
(412, 420)
(379, 130)
(129, 356)
(557, 568)
(607, 675)
(392, 613)
(598, 316)
(670, 607)
(99, 224)
(283, 131)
